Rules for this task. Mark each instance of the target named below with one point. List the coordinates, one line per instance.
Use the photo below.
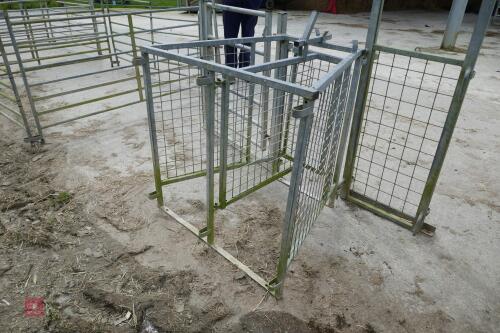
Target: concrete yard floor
(356, 272)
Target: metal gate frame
(414, 222)
(96, 33)
(23, 34)
(325, 102)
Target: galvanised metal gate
(407, 107)
(243, 129)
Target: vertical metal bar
(110, 22)
(268, 30)
(346, 124)
(277, 115)
(333, 113)
(24, 77)
(134, 52)
(251, 96)
(14, 90)
(210, 144)
(215, 27)
(152, 127)
(224, 124)
(304, 132)
(215, 31)
(151, 25)
(203, 31)
(46, 26)
(466, 74)
(313, 17)
(50, 22)
(362, 94)
(453, 24)
(96, 28)
(29, 33)
(107, 36)
(293, 79)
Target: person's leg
(247, 30)
(232, 22)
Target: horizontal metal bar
(197, 174)
(27, 50)
(75, 61)
(218, 249)
(259, 186)
(166, 18)
(385, 212)
(62, 38)
(325, 81)
(89, 101)
(80, 75)
(105, 15)
(329, 46)
(8, 97)
(7, 107)
(239, 10)
(222, 42)
(419, 55)
(73, 91)
(292, 88)
(64, 55)
(279, 63)
(17, 122)
(92, 114)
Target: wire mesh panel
(246, 127)
(321, 155)
(179, 118)
(407, 105)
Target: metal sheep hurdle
(243, 129)
(83, 54)
(372, 125)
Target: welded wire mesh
(257, 128)
(408, 101)
(270, 145)
(316, 179)
(179, 118)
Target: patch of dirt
(256, 238)
(50, 248)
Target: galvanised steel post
(224, 124)
(210, 145)
(152, 127)
(96, 28)
(346, 124)
(134, 52)
(15, 91)
(359, 106)
(268, 31)
(453, 24)
(466, 74)
(278, 95)
(112, 36)
(29, 32)
(305, 113)
(107, 37)
(251, 96)
(24, 78)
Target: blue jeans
(232, 22)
